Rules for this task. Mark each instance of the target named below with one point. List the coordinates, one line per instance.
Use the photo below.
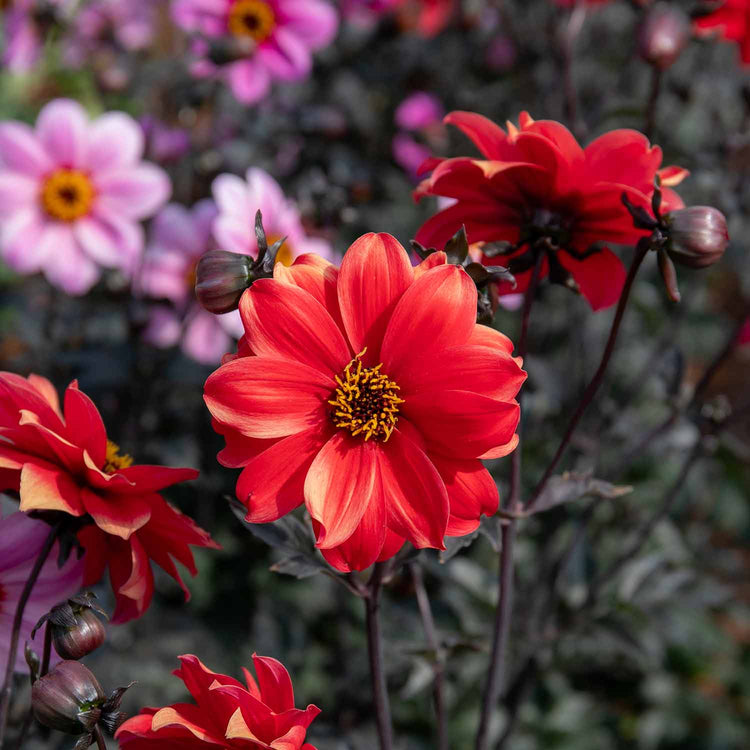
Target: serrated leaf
(570, 486)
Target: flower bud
(697, 236)
(663, 35)
(221, 278)
(74, 626)
(68, 699)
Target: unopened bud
(663, 35)
(68, 699)
(221, 278)
(74, 626)
(697, 236)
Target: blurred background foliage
(657, 657)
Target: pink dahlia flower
(180, 236)
(72, 192)
(238, 200)
(21, 538)
(268, 39)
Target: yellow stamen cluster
(253, 18)
(114, 462)
(67, 194)
(366, 401)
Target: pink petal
(21, 236)
(65, 264)
(115, 141)
(249, 80)
(204, 339)
(62, 128)
(17, 191)
(21, 151)
(134, 192)
(313, 22)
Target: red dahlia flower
(538, 189)
(371, 394)
(226, 713)
(730, 21)
(427, 17)
(63, 461)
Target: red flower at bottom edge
(227, 714)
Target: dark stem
(7, 688)
(438, 686)
(47, 649)
(653, 98)
(570, 34)
(99, 737)
(588, 396)
(504, 610)
(375, 652)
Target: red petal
(275, 684)
(488, 137)
(460, 424)
(147, 478)
(189, 719)
(84, 423)
(490, 372)
(285, 322)
(49, 393)
(273, 483)
(131, 577)
(59, 449)
(415, 496)
(119, 515)
(341, 482)
(438, 310)
(239, 449)
(600, 277)
(94, 542)
(268, 398)
(374, 275)
(44, 486)
(486, 336)
(501, 450)
(35, 395)
(435, 259)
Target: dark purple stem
(7, 689)
(99, 737)
(640, 253)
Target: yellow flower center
(366, 401)
(67, 194)
(285, 256)
(253, 18)
(114, 462)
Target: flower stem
(640, 253)
(504, 609)
(7, 688)
(438, 686)
(653, 98)
(375, 652)
(47, 649)
(99, 737)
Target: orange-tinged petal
(438, 258)
(342, 480)
(486, 336)
(185, 716)
(501, 450)
(119, 515)
(131, 577)
(316, 276)
(47, 391)
(44, 486)
(374, 275)
(268, 398)
(285, 322)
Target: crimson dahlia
(226, 714)
(370, 394)
(62, 461)
(538, 189)
(729, 21)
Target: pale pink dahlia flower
(21, 538)
(265, 39)
(72, 193)
(179, 237)
(239, 199)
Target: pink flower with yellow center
(258, 40)
(72, 194)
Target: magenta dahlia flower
(262, 40)
(238, 199)
(179, 238)
(21, 538)
(72, 193)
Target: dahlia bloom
(427, 17)
(21, 538)
(421, 112)
(179, 238)
(538, 189)
(269, 39)
(259, 715)
(370, 394)
(731, 22)
(238, 199)
(62, 461)
(72, 192)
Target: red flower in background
(370, 394)
(62, 461)
(427, 17)
(226, 714)
(539, 190)
(730, 21)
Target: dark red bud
(664, 33)
(698, 236)
(80, 639)
(221, 278)
(68, 699)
